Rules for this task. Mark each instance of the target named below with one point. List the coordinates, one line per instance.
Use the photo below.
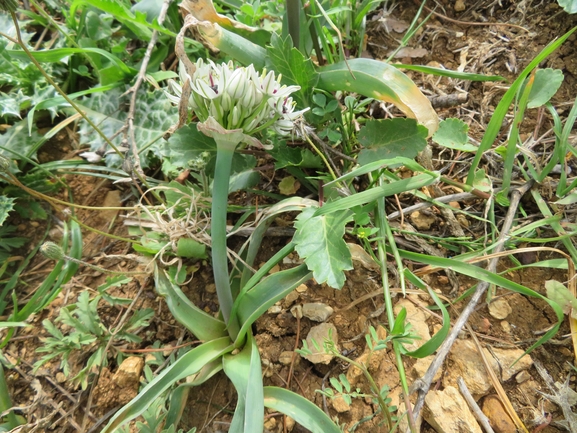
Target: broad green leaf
(252, 304)
(300, 409)
(154, 115)
(560, 294)
(6, 205)
(570, 6)
(202, 325)
(383, 82)
(189, 248)
(187, 146)
(245, 371)
(547, 82)
(319, 241)
(389, 138)
(295, 68)
(187, 365)
(452, 133)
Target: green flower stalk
(232, 105)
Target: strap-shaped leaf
(300, 409)
(256, 301)
(381, 81)
(202, 325)
(245, 372)
(187, 365)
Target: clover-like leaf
(319, 241)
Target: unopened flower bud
(52, 251)
(4, 164)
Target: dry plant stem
(423, 385)
(483, 420)
(134, 90)
(22, 45)
(470, 23)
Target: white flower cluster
(238, 98)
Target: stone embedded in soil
(418, 319)
(320, 333)
(422, 221)
(422, 365)
(500, 308)
(340, 404)
(128, 373)
(447, 412)
(506, 358)
(290, 299)
(466, 362)
(286, 357)
(523, 376)
(317, 311)
(498, 418)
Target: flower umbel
(238, 98)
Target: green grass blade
(300, 409)
(187, 365)
(450, 74)
(245, 371)
(395, 187)
(497, 118)
(383, 82)
(202, 325)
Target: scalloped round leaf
(546, 83)
(452, 133)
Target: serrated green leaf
(295, 68)
(6, 205)
(154, 115)
(319, 241)
(389, 138)
(452, 133)
(18, 140)
(546, 83)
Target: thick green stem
(224, 154)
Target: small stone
(286, 357)
(340, 404)
(129, 371)
(290, 299)
(500, 308)
(506, 326)
(459, 6)
(270, 423)
(60, 377)
(498, 418)
(320, 333)
(290, 423)
(422, 221)
(317, 311)
(210, 288)
(422, 365)
(448, 412)
(275, 309)
(274, 269)
(523, 376)
(508, 357)
(297, 311)
(302, 288)
(443, 280)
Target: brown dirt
(481, 49)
